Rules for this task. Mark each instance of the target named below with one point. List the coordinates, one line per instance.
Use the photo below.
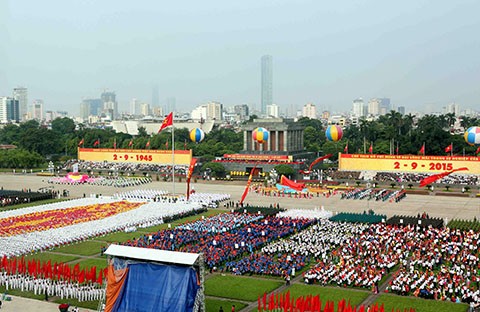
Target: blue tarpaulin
(156, 287)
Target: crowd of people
(210, 200)
(443, 265)
(409, 177)
(86, 166)
(115, 181)
(219, 247)
(220, 223)
(50, 287)
(374, 194)
(434, 263)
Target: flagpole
(451, 150)
(364, 146)
(173, 156)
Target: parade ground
(450, 207)
(445, 207)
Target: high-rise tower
(21, 95)
(266, 83)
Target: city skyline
(415, 53)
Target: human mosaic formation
(104, 217)
(426, 261)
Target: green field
(45, 256)
(237, 287)
(87, 248)
(215, 304)
(420, 305)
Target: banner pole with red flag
(189, 175)
(173, 156)
(245, 192)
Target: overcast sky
(326, 52)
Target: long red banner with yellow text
(407, 163)
(164, 157)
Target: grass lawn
(19, 293)
(98, 262)
(92, 305)
(45, 256)
(329, 293)
(236, 287)
(117, 237)
(87, 248)
(420, 305)
(214, 305)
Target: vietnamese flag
(294, 185)
(148, 144)
(96, 143)
(81, 142)
(422, 150)
(345, 150)
(370, 149)
(449, 148)
(436, 177)
(168, 121)
(477, 151)
(130, 143)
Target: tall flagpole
(173, 156)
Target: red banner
(294, 185)
(189, 175)
(436, 177)
(319, 159)
(245, 192)
(257, 157)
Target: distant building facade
(37, 110)
(272, 111)
(309, 110)
(21, 95)
(359, 109)
(285, 136)
(110, 105)
(242, 111)
(9, 110)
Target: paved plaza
(451, 207)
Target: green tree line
(37, 144)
